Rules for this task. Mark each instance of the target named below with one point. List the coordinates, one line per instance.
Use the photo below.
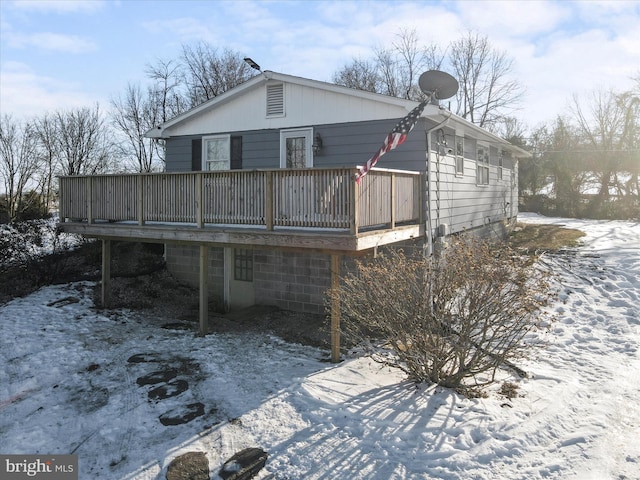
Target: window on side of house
(459, 150)
(482, 165)
(243, 265)
(216, 152)
(500, 164)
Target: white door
(239, 291)
(295, 148)
(295, 194)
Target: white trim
(307, 133)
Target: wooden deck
(319, 209)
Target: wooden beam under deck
(325, 241)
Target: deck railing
(327, 198)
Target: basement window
(243, 264)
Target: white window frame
(224, 162)
(307, 133)
(459, 155)
(500, 164)
(482, 164)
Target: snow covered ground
(72, 380)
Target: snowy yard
(73, 380)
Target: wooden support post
(106, 273)
(204, 289)
(335, 309)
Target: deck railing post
(90, 199)
(269, 206)
(354, 189)
(392, 200)
(199, 199)
(140, 186)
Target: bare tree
(18, 162)
(134, 114)
(84, 142)
(208, 73)
(608, 128)
(486, 91)
(167, 88)
(413, 61)
(359, 74)
(395, 70)
(512, 130)
(486, 94)
(48, 148)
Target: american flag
(397, 136)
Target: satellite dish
(439, 85)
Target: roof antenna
(252, 64)
(437, 85)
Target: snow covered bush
(454, 319)
(23, 242)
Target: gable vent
(275, 100)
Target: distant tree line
(594, 146)
(586, 163)
(87, 141)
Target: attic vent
(275, 100)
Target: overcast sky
(65, 54)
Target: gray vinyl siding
(463, 205)
(260, 149)
(344, 145)
(352, 144)
(178, 154)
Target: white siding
(304, 106)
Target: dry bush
(453, 319)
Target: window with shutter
(275, 100)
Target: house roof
(323, 108)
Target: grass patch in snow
(544, 238)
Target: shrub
(453, 319)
